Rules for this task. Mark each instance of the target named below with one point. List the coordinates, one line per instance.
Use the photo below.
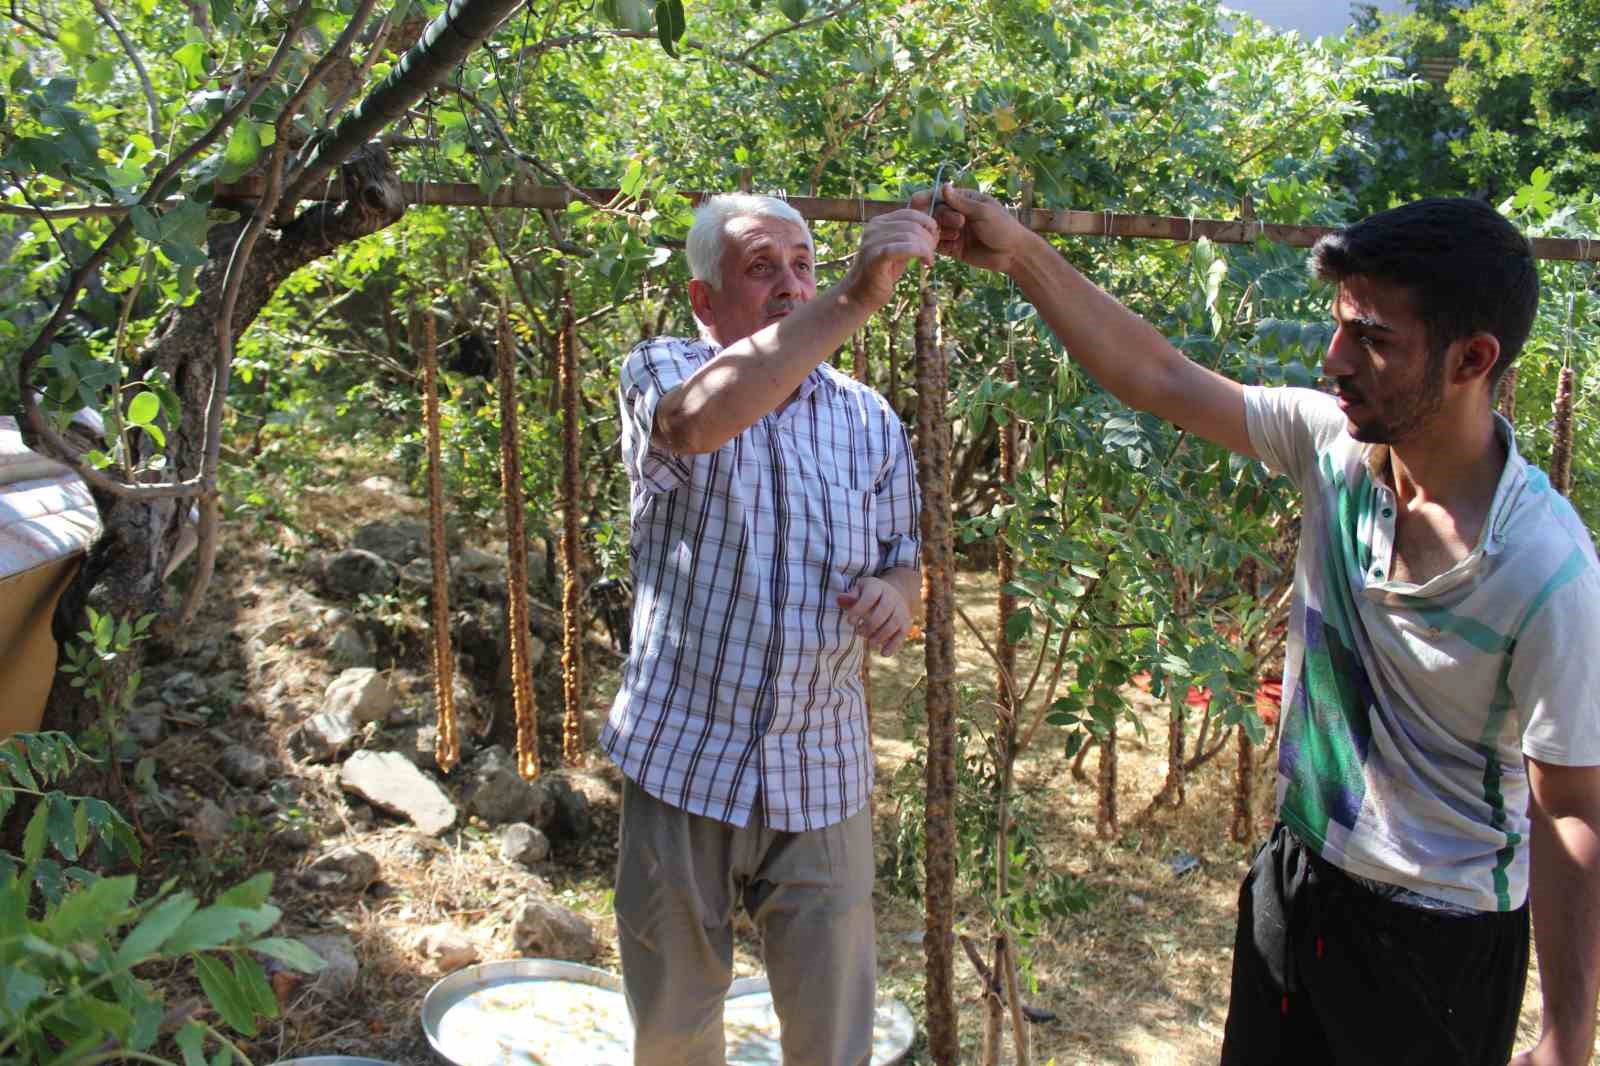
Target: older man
(774, 536)
(1440, 761)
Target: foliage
(88, 661)
(1522, 92)
(73, 940)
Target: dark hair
(1467, 267)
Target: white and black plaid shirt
(744, 676)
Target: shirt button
(1377, 572)
(1388, 513)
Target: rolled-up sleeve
(899, 503)
(651, 370)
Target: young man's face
(1388, 383)
(767, 272)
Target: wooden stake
(933, 468)
(1508, 394)
(1105, 824)
(447, 747)
(1243, 827)
(516, 554)
(1561, 450)
(571, 593)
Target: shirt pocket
(840, 531)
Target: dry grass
(1141, 977)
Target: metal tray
(484, 1016)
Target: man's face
(1388, 382)
(766, 273)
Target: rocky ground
(293, 731)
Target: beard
(1401, 414)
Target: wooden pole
(838, 209)
(447, 747)
(571, 593)
(933, 469)
(516, 554)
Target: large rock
(363, 692)
(447, 947)
(524, 845)
(244, 766)
(354, 572)
(349, 647)
(337, 979)
(572, 821)
(399, 542)
(389, 781)
(498, 794)
(323, 736)
(548, 930)
(345, 869)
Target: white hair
(708, 236)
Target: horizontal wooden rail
(839, 209)
(527, 195)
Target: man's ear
(700, 299)
(1479, 354)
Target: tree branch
(138, 66)
(761, 42)
(80, 277)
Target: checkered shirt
(745, 677)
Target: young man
(1441, 666)
(774, 522)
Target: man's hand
(888, 245)
(879, 614)
(975, 228)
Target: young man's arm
(1563, 880)
(750, 378)
(1120, 350)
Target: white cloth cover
(46, 512)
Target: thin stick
(933, 467)
(447, 749)
(516, 553)
(571, 593)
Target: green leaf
(244, 149)
(35, 835)
(152, 931)
(144, 409)
(670, 25)
(795, 9)
(93, 910)
(225, 994)
(633, 179)
(19, 989)
(252, 981)
(217, 925)
(79, 37)
(251, 893)
(192, 58)
(291, 953)
(191, 1041)
(1019, 625)
(99, 73)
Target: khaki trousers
(679, 877)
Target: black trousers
(1327, 970)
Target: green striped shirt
(1408, 708)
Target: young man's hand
(879, 614)
(975, 228)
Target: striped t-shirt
(744, 676)
(1409, 707)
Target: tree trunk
(124, 573)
